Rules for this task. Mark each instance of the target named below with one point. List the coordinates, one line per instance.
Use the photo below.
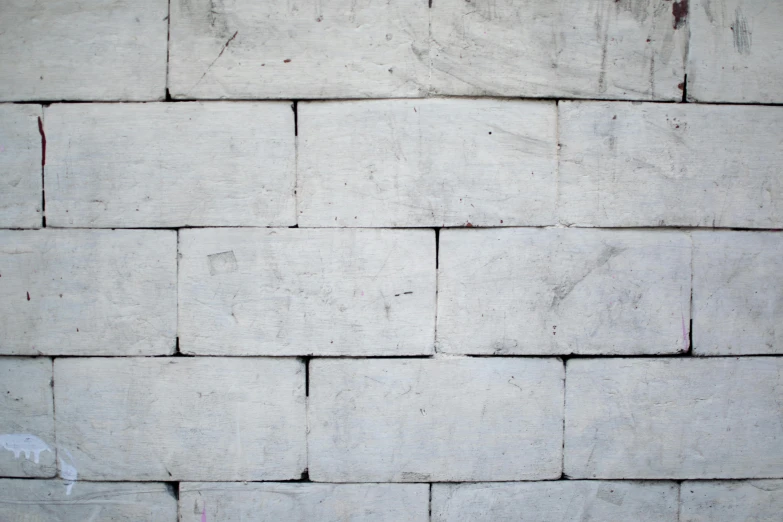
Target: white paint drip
(19, 443)
(68, 472)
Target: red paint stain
(28, 296)
(469, 224)
(681, 86)
(287, 60)
(43, 141)
(680, 12)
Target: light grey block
(435, 420)
(88, 292)
(572, 500)
(83, 50)
(627, 165)
(20, 165)
(274, 502)
(170, 165)
(736, 51)
(617, 49)
(279, 49)
(47, 500)
(561, 291)
(440, 162)
(737, 293)
(732, 501)
(181, 419)
(680, 418)
(26, 418)
(300, 292)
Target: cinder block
(26, 419)
(274, 502)
(561, 291)
(435, 420)
(586, 501)
(731, 501)
(179, 419)
(300, 292)
(83, 50)
(736, 51)
(170, 165)
(629, 165)
(279, 49)
(617, 49)
(439, 162)
(737, 293)
(20, 165)
(88, 292)
(47, 500)
(680, 418)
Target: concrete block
(731, 501)
(20, 165)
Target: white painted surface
(182, 419)
(46, 500)
(20, 165)
(275, 502)
(617, 49)
(88, 292)
(170, 165)
(583, 501)
(280, 49)
(732, 501)
(440, 420)
(736, 51)
(674, 418)
(300, 292)
(26, 418)
(561, 291)
(441, 162)
(737, 293)
(624, 164)
(83, 50)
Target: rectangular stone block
(273, 502)
(20, 165)
(638, 165)
(682, 418)
(561, 291)
(278, 49)
(83, 50)
(179, 419)
(88, 292)
(730, 501)
(427, 163)
(302, 292)
(435, 420)
(47, 500)
(737, 293)
(582, 500)
(617, 49)
(26, 419)
(736, 51)
(170, 165)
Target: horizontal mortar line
(564, 479)
(440, 356)
(422, 227)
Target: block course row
(392, 163)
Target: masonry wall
(385, 260)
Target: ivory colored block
(301, 292)
(731, 501)
(427, 163)
(435, 420)
(88, 292)
(170, 165)
(737, 293)
(681, 418)
(586, 501)
(561, 291)
(273, 502)
(20, 165)
(48, 500)
(26, 419)
(640, 165)
(617, 49)
(279, 49)
(178, 419)
(83, 50)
